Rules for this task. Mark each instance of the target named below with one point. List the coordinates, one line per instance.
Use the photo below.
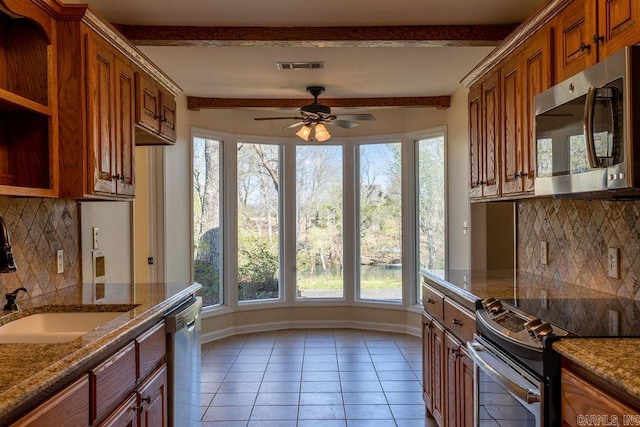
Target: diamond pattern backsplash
(579, 233)
(37, 229)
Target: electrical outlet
(543, 299)
(465, 227)
(96, 238)
(614, 322)
(614, 262)
(544, 253)
(60, 260)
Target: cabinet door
(152, 396)
(537, 76)
(451, 346)
(148, 104)
(69, 407)
(618, 25)
(125, 415)
(427, 364)
(125, 130)
(475, 142)
(576, 26)
(490, 107)
(466, 388)
(168, 116)
(511, 165)
(439, 378)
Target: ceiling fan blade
(295, 125)
(277, 118)
(343, 124)
(356, 116)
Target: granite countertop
(31, 371)
(612, 359)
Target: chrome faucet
(11, 299)
(7, 263)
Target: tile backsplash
(37, 229)
(579, 233)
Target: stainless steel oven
(506, 394)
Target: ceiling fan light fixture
(304, 132)
(322, 134)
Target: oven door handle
(525, 394)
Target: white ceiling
(250, 72)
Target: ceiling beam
(374, 36)
(440, 102)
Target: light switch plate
(614, 322)
(544, 252)
(544, 299)
(60, 261)
(96, 238)
(613, 262)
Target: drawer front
(151, 347)
(433, 302)
(111, 381)
(459, 320)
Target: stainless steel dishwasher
(183, 360)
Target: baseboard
(310, 324)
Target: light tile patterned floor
(313, 377)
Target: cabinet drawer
(111, 381)
(433, 302)
(459, 320)
(151, 348)
(69, 407)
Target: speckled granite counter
(31, 371)
(615, 360)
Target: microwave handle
(589, 105)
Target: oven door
(506, 394)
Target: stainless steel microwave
(587, 132)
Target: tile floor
(328, 378)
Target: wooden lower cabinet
(152, 399)
(126, 415)
(448, 371)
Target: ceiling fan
(314, 116)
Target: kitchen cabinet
(67, 408)
(475, 143)
(28, 100)
(590, 30)
(155, 113)
(511, 158)
(126, 415)
(152, 399)
(112, 381)
(582, 398)
(448, 371)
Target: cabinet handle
(456, 322)
(454, 352)
(116, 176)
(430, 301)
(597, 39)
(146, 400)
(584, 46)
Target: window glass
(380, 218)
(207, 251)
(258, 221)
(319, 219)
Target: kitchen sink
(53, 327)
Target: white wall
(457, 180)
(114, 219)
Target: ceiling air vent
(300, 65)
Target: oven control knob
(486, 302)
(531, 324)
(542, 330)
(495, 307)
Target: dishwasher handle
(184, 316)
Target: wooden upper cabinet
(125, 134)
(575, 29)
(475, 143)
(490, 118)
(512, 162)
(618, 25)
(155, 113)
(537, 76)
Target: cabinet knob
(584, 46)
(457, 322)
(116, 176)
(454, 352)
(430, 301)
(597, 39)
